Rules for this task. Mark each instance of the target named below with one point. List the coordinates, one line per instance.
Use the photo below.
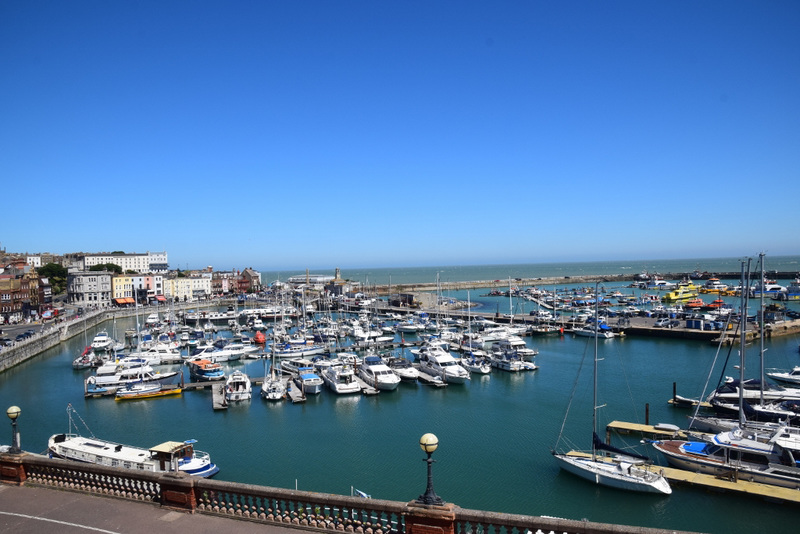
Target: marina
(523, 408)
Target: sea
(496, 432)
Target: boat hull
(620, 476)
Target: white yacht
(377, 374)
(341, 379)
(404, 369)
(238, 387)
(102, 341)
(435, 360)
(127, 370)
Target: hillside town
(35, 287)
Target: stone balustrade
(297, 509)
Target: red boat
(260, 338)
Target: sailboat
(625, 470)
(273, 388)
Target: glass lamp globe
(14, 412)
(428, 443)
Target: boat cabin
(170, 454)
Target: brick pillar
(12, 469)
(177, 491)
(430, 519)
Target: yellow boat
(685, 291)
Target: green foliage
(56, 275)
(52, 270)
(111, 267)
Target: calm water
(450, 273)
(495, 433)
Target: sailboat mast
(761, 325)
(742, 337)
(594, 377)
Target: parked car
(661, 323)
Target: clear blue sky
(318, 134)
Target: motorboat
(118, 373)
(476, 364)
(145, 390)
(377, 374)
(516, 345)
(506, 360)
(308, 381)
(436, 361)
(289, 350)
(238, 387)
(341, 378)
(204, 370)
(752, 391)
(588, 330)
(293, 365)
(684, 292)
(102, 341)
(175, 456)
(754, 459)
(713, 285)
(789, 377)
(403, 368)
(158, 354)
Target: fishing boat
(625, 470)
(176, 456)
(238, 387)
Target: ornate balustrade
(298, 509)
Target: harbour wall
(52, 333)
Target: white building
(149, 262)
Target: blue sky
(376, 134)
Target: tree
(57, 276)
(112, 267)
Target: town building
(149, 262)
(89, 288)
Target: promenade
(33, 510)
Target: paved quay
(33, 510)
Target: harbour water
(495, 433)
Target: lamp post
(429, 443)
(12, 414)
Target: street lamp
(12, 414)
(429, 443)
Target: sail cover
(600, 445)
